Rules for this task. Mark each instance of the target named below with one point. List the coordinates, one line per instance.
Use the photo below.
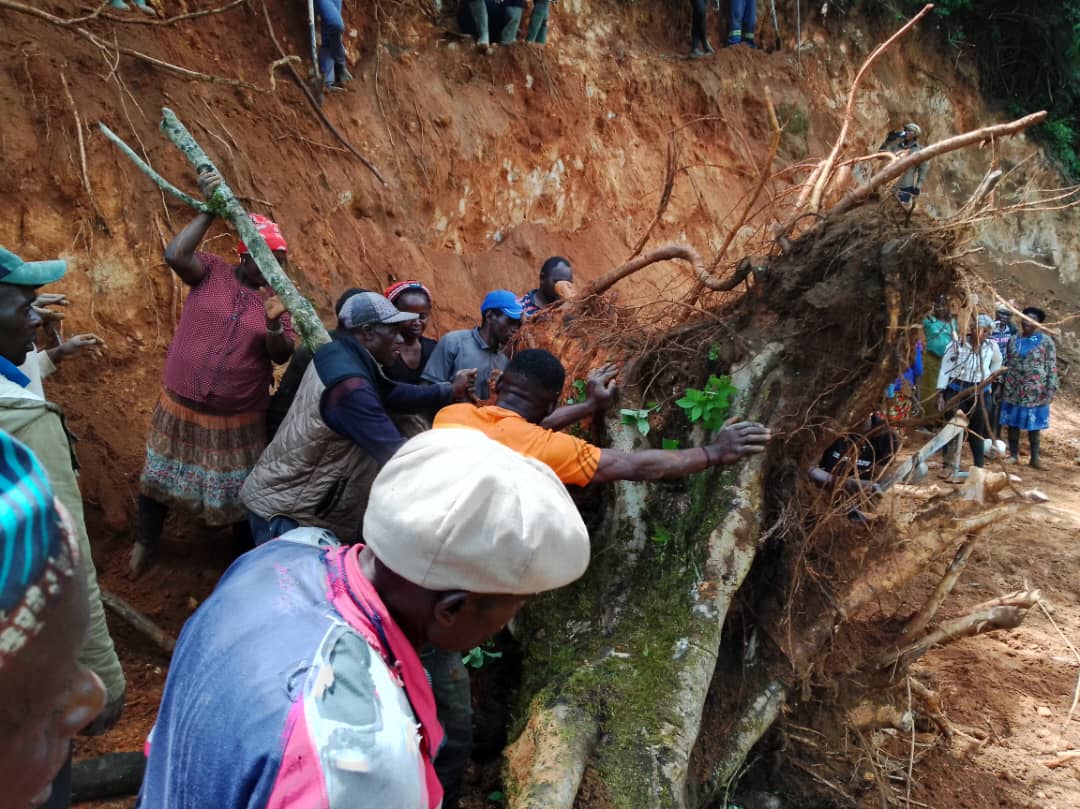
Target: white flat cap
(454, 510)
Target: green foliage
(639, 418)
(669, 443)
(714, 352)
(1029, 58)
(578, 396)
(496, 796)
(477, 656)
(661, 536)
(710, 405)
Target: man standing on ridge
(480, 347)
(902, 143)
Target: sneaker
(342, 76)
(750, 44)
(697, 53)
(733, 41)
(1012, 459)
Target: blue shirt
(459, 350)
(11, 372)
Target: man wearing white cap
(310, 691)
(339, 429)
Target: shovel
(314, 45)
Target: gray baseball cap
(366, 308)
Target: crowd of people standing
(403, 496)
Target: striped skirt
(198, 460)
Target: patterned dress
(1030, 382)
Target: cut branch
(162, 639)
(307, 319)
(898, 167)
(929, 609)
(977, 623)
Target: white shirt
(37, 366)
(962, 362)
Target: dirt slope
(493, 163)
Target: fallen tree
(715, 606)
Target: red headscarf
(270, 232)
(395, 291)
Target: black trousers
(976, 406)
(697, 26)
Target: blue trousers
(743, 20)
(265, 530)
(332, 51)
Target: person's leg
(698, 11)
(978, 428)
(735, 15)
(749, 21)
(453, 703)
(332, 49)
(478, 8)
(1035, 438)
(509, 33)
(538, 22)
(149, 523)
(1014, 445)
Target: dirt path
(1009, 694)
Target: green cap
(13, 270)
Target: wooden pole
(225, 204)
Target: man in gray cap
(339, 430)
(299, 683)
(902, 143)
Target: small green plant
(661, 536)
(710, 405)
(670, 443)
(578, 396)
(477, 656)
(496, 796)
(639, 418)
(714, 352)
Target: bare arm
(730, 445)
(600, 392)
(180, 252)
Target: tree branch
(898, 167)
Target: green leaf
(670, 443)
(686, 402)
(696, 411)
(661, 536)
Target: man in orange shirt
(524, 418)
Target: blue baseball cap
(505, 301)
(13, 270)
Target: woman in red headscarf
(209, 425)
(411, 296)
